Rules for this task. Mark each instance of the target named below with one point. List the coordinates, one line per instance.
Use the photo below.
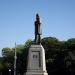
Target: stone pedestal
(36, 61)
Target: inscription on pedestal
(36, 60)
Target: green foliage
(28, 43)
(71, 44)
(51, 45)
(1, 64)
(6, 52)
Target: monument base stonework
(36, 73)
(36, 61)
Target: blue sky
(17, 20)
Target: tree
(6, 52)
(71, 44)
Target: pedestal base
(36, 73)
(36, 61)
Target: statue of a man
(37, 30)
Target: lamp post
(15, 60)
(9, 71)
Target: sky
(17, 20)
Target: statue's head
(37, 17)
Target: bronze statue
(37, 30)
